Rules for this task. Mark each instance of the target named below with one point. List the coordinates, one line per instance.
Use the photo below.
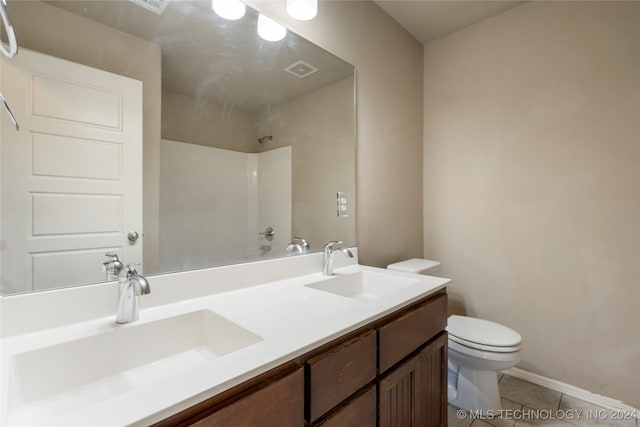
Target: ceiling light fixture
(270, 30)
(302, 10)
(229, 9)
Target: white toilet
(478, 350)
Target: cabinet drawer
(340, 372)
(358, 412)
(401, 336)
(280, 404)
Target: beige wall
(199, 122)
(532, 184)
(388, 63)
(48, 29)
(319, 127)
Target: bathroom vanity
(393, 369)
(267, 343)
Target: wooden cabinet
(272, 400)
(359, 411)
(400, 395)
(413, 394)
(403, 335)
(338, 373)
(389, 373)
(279, 404)
(433, 369)
(411, 375)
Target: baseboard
(577, 392)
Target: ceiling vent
(301, 69)
(155, 6)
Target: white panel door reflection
(71, 178)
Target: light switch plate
(342, 203)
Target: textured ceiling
(225, 62)
(428, 20)
(212, 59)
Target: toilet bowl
(478, 349)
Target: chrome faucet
(329, 255)
(130, 288)
(299, 245)
(113, 266)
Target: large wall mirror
(169, 136)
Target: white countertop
(289, 317)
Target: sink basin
(77, 373)
(364, 285)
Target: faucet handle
(140, 283)
(113, 258)
(303, 242)
(131, 269)
(292, 247)
(329, 246)
(113, 265)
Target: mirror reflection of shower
(243, 212)
(265, 138)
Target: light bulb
(270, 30)
(302, 10)
(229, 9)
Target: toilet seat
(474, 353)
(487, 348)
(483, 334)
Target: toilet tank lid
(482, 331)
(413, 265)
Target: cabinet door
(358, 412)
(280, 404)
(399, 396)
(433, 379)
(402, 336)
(414, 393)
(340, 372)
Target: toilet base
(474, 390)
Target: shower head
(265, 139)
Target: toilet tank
(414, 265)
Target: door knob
(133, 236)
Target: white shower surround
(230, 197)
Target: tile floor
(526, 404)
